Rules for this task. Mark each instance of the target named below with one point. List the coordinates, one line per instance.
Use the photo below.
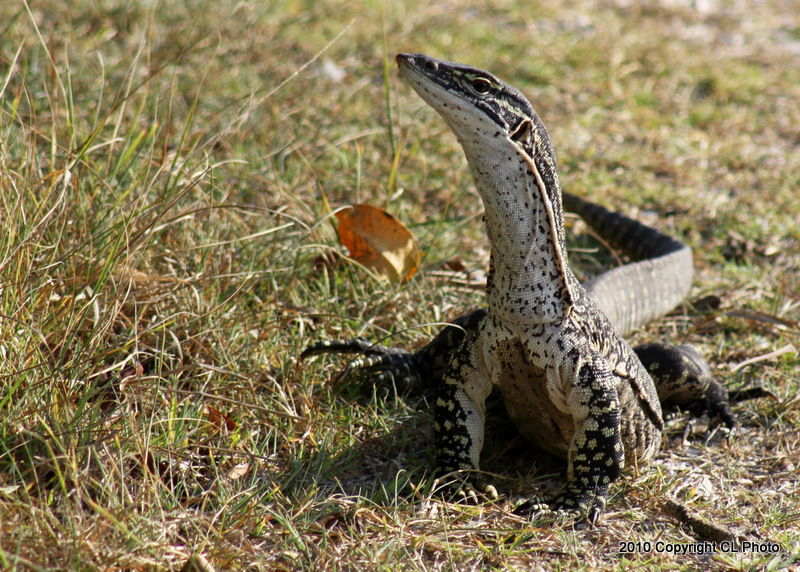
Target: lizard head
(514, 167)
(472, 99)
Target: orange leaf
(219, 419)
(379, 241)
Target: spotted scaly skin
(570, 382)
(565, 373)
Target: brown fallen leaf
(379, 241)
(219, 419)
(239, 471)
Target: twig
(706, 530)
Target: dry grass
(166, 252)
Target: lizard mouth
(417, 61)
(413, 67)
(430, 79)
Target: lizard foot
(571, 504)
(715, 406)
(459, 488)
(683, 377)
(388, 364)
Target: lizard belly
(528, 404)
(538, 419)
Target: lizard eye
(481, 86)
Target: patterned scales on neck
(570, 382)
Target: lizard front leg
(421, 370)
(596, 452)
(459, 415)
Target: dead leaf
(239, 471)
(197, 563)
(379, 241)
(219, 419)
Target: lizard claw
(541, 512)
(460, 489)
(566, 506)
(716, 405)
(388, 364)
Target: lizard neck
(530, 280)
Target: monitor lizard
(570, 382)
